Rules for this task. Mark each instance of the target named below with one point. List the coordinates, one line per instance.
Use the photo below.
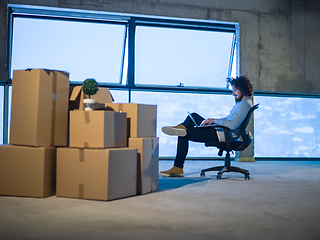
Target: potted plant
(89, 88)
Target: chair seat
(222, 145)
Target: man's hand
(207, 121)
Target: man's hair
(243, 84)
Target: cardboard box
(77, 95)
(148, 163)
(98, 129)
(142, 118)
(39, 111)
(100, 174)
(27, 171)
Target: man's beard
(239, 98)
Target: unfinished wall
(279, 38)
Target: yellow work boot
(173, 172)
(179, 130)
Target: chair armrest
(226, 135)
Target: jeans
(193, 134)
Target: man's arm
(237, 114)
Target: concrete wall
(279, 38)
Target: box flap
(103, 96)
(48, 71)
(75, 92)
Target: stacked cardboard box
(39, 121)
(99, 164)
(141, 122)
(148, 163)
(100, 174)
(109, 153)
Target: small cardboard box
(142, 118)
(39, 111)
(98, 129)
(27, 171)
(99, 174)
(77, 95)
(148, 163)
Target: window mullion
(131, 53)
(5, 113)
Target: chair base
(223, 169)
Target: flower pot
(88, 104)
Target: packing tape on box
(86, 117)
(81, 155)
(53, 105)
(81, 186)
(81, 191)
(120, 107)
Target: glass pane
(120, 96)
(172, 109)
(1, 113)
(166, 56)
(287, 127)
(234, 63)
(85, 50)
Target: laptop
(195, 123)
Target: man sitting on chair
(242, 91)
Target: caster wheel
(246, 177)
(202, 174)
(219, 177)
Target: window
(172, 109)
(180, 57)
(287, 127)
(2, 115)
(180, 65)
(120, 96)
(84, 49)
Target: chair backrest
(246, 137)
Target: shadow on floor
(173, 183)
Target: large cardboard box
(148, 163)
(100, 174)
(142, 118)
(27, 171)
(98, 129)
(39, 111)
(77, 95)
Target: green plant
(90, 87)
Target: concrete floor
(280, 201)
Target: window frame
(131, 21)
(178, 24)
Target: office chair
(228, 146)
